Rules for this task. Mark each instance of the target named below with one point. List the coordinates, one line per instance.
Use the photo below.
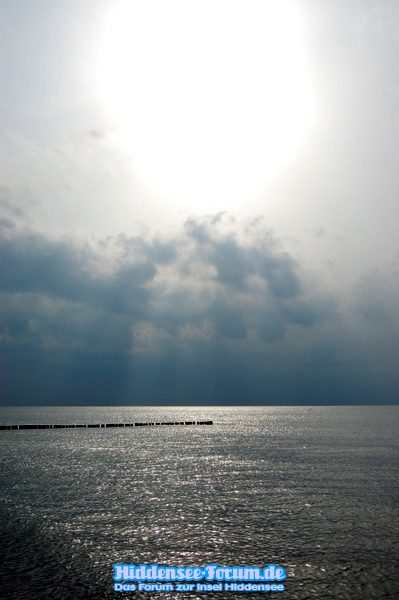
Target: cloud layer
(218, 313)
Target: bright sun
(211, 96)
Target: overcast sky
(199, 202)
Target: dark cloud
(301, 313)
(272, 327)
(279, 272)
(7, 223)
(228, 320)
(59, 269)
(231, 263)
(217, 314)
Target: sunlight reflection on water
(312, 491)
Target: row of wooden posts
(63, 426)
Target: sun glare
(210, 96)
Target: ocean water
(314, 491)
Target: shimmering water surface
(312, 490)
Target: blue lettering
(170, 573)
(124, 572)
(280, 573)
(210, 572)
(238, 573)
(152, 573)
(141, 572)
(198, 573)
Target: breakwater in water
(99, 425)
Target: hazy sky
(199, 201)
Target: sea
(313, 490)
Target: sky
(199, 202)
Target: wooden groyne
(99, 425)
